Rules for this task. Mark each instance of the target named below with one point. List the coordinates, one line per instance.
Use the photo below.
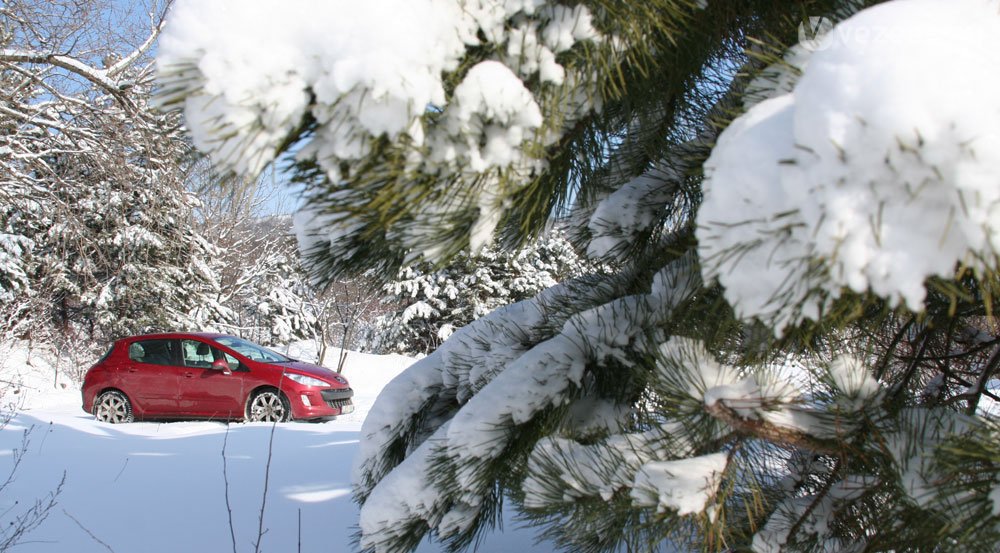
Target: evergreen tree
(797, 349)
(432, 304)
(95, 218)
(264, 286)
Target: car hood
(312, 370)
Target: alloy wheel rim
(112, 409)
(267, 407)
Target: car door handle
(189, 375)
(133, 370)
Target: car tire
(113, 407)
(268, 405)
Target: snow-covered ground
(162, 486)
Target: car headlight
(307, 380)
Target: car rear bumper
(86, 403)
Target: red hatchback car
(209, 376)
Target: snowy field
(161, 487)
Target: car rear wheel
(268, 406)
(113, 407)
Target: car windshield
(252, 350)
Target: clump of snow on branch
(473, 355)
(684, 485)
(853, 380)
(867, 175)
(813, 515)
(759, 395)
(492, 108)
(921, 432)
(562, 471)
(632, 209)
(371, 73)
(532, 45)
(773, 396)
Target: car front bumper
(322, 403)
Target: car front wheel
(268, 406)
(113, 407)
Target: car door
(152, 377)
(207, 392)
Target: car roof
(172, 335)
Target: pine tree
(796, 350)
(432, 304)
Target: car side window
(154, 352)
(201, 355)
(198, 354)
(233, 362)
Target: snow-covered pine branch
(842, 225)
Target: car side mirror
(222, 365)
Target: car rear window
(154, 352)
